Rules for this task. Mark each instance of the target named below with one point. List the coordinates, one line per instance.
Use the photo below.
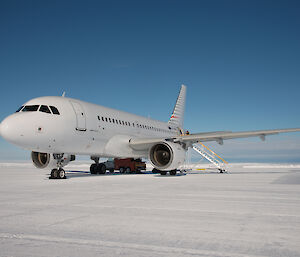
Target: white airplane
(56, 129)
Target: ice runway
(252, 211)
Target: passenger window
(30, 108)
(20, 109)
(54, 110)
(102, 118)
(44, 108)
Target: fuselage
(78, 127)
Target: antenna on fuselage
(63, 94)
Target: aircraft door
(80, 116)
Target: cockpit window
(30, 108)
(44, 108)
(20, 109)
(54, 110)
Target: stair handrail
(213, 152)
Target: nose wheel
(57, 174)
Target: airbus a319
(56, 129)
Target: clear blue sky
(239, 59)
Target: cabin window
(102, 118)
(113, 120)
(126, 123)
(54, 110)
(20, 109)
(117, 122)
(109, 119)
(123, 122)
(106, 119)
(45, 109)
(30, 108)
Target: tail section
(176, 119)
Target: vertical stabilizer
(177, 116)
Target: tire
(163, 173)
(127, 170)
(111, 170)
(122, 170)
(102, 168)
(93, 169)
(61, 174)
(54, 174)
(173, 172)
(154, 171)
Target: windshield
(30, 108)
(44, 108)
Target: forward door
(80, 116)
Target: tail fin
(176, 119)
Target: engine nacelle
(43, 160)
(167, 156)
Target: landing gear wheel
(61, 174)
(154, 171)
(57, 174)
(173, 172)
(54, 173)
(163, 173)
(101, 168)
(93, 169)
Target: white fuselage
(81, 128)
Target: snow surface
(251, 211)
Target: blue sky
(239, 59)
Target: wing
(219, 136)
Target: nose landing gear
(58, 174)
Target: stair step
(209, 156)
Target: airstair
(211, 156)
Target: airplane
(56, 129)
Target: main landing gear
(164, 173)
(97, 168)
(58, 174)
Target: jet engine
(43, 160)
(167, 156)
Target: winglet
(178, 111)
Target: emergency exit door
(80, 116)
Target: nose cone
(10, 129)
(4, 129)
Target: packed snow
(253, 210)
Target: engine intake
(43, 160)
(166, 156)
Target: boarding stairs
(211, 156)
